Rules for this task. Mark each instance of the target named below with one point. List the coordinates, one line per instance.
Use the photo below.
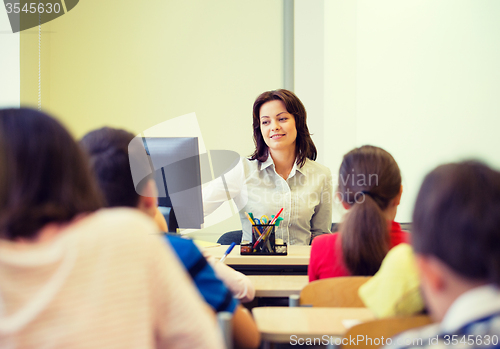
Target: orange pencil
(253, 223)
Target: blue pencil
(228, 251)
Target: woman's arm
(224, 188)
(321, 221)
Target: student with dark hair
(456, 239)
(109, 159)
(281, 173)
(108, 150)
(74, 276)
(370, 189)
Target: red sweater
(326, 253)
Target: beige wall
(135, 64)
(419, 78)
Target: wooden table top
(297, 255)
(278, 285)
(278, 324)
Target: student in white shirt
(74, 276)
(281, 173)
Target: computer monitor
(176, 164)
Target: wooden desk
(279, 324)
(278, 285)
(295, 262)
(297, 255)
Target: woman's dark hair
(457, 219)
(369, 178)
(304, 146)
(108, 152)
(46, 177)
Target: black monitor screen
(176, 162)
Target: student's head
(456, 232)
(370, 187)
(281, 114)
(44, 178)
(108, 150)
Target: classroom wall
(309, 69)
(9, 64)
(131, 65)
(418, 78)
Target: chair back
(386, 328)
(169, 215)
(334, 292)
(230, 237)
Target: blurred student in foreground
(108, 149)
(74, 276)
(456, 239)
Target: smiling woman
(281, 173)
(285, 105)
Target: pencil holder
(263, 242)
(266, 234)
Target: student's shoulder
(122, 217)
(186, 249)
(398, 235)
(118, 234)
(324, 241)
(325, 238)
(124, 224)
(180, 241)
